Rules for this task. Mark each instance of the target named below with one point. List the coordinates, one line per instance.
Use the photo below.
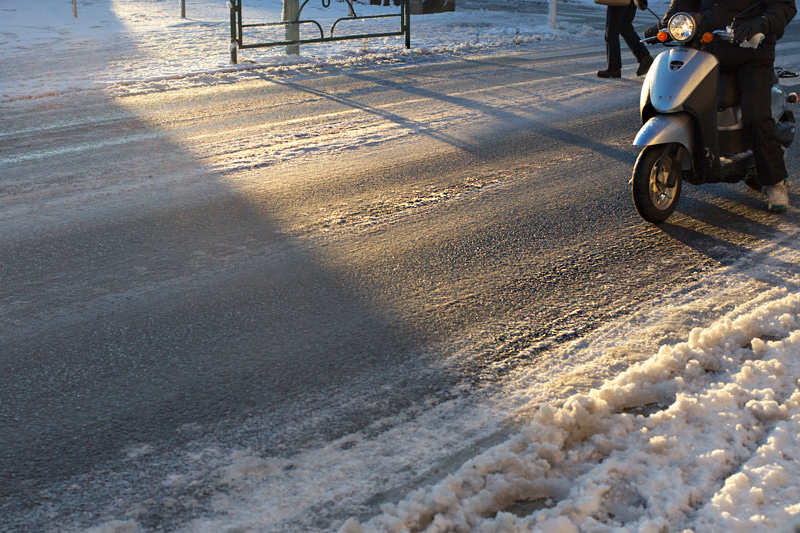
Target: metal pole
(183, 9)
(290, 11)
(406, 18)
(234, 33)
(75, 8)
(551, 10)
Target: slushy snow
(716, 448)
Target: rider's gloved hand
(747, 30)
(652, 31)
(641, 4)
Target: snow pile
(705, 434)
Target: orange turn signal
(708, 37)
(663, 36)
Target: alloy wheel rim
(660, 193)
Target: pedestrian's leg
(634, 43)
(628, 32)
(614, 16)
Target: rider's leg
(755, 83)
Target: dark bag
(616, 3)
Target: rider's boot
(777, 196)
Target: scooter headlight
(681, 27)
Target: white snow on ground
(701, 435)
(123, 42)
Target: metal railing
(238, 27)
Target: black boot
(644, 65)
(609, 73)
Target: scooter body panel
(778, 103)
(684, 81)
(676, 77)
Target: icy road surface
(373, 290)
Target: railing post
(291, 22)
(406, 18)
(290, 11)
(232, 6)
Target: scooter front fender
(672, 128)
(662, 129)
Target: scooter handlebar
(727, 35)
(650, 40)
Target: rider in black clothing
(754, 72)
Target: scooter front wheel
(657, 181)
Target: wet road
(342, 245)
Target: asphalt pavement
(173, 271)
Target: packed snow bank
(703, 435)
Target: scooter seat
(727, 92)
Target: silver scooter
(692, 123)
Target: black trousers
(619, 21)
(754, 71)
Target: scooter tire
(654, 198)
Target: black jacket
(717, 14)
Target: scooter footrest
(736, 170)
